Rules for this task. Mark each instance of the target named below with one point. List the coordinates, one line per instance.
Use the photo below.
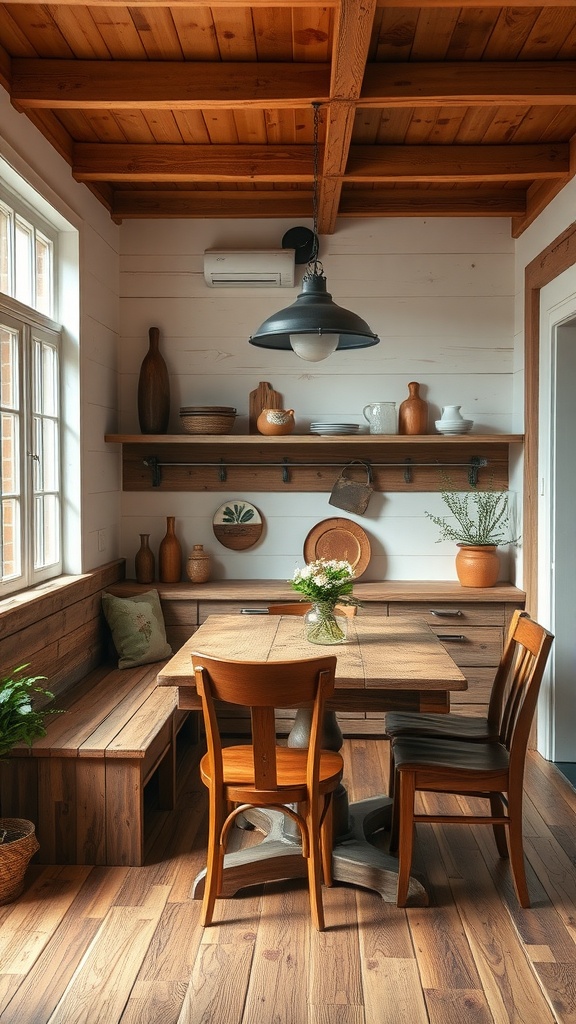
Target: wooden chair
(301, 607)
(471, 728)
(494, 770)
(264, 774)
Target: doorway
(557, 548)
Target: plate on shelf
(341, 539)
(237, 524)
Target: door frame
(557, 257)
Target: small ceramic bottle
(413, 412)
(144, 561)
(170, 555)
(198, 565)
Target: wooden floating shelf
(302, 462)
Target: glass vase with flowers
(327, 583)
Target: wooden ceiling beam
(466, 83)
(170, 85)
(215, 204)
(397, 202)
(423, 4)
(352, 32)
(93, 161)
(457, 163)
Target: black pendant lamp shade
(314, 312)
(314, 326)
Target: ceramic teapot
(275, 421)
(382, 417)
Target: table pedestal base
(355, 859)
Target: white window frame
(29, 326)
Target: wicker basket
(18, 844)
(210, 423)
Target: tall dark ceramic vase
(170, 555)
(144, 562)
(153, 389)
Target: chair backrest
(526, 653)
(263, 687)
(301, 607)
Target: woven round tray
(208, 424)
(18, 843)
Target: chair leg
(497, 811)
(395, 822)
(314, 866)
(214, 861)
(326, 842)
(405, 784)
(517, 864)
(391, 769)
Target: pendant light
(314, 326)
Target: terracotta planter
(477, 565)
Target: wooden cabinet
(473, 634)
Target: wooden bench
(83, 783)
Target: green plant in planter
(477, 518)
(20, 721)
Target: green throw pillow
(137, 627)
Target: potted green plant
(479, 523)
(20, 721)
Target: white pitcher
(382, 417)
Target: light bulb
(314, 346)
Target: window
(30, 353)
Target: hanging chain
(314, 266)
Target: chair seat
(472, 728)
(238, 764)
(429, 752)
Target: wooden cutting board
(264, 397)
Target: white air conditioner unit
(255, 268)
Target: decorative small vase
(477, 565)
(323, 625)
(413, 412)
(275, 421)
(144, 561)
(198, 565)
(153, 389)
(170, 555)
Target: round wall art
(237, 524)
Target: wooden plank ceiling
(172, 109)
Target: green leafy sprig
(477, 517)
(238, 514)
(19, 720)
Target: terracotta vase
(413, 412)
(477, 565)
(198, 565)
(170, 555)
(153, 389)
(144, 561)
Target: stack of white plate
(329, 427)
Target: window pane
(47, 550)
(24, 262)
(5, 257)
(11, 560)
(44, 263)
(49, 381)
(10, 455)
(9, 362)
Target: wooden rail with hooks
(306, 463)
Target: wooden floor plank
(124, 945)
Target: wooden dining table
(384, 664)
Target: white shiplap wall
(438, 292)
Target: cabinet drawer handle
(451, 638)
(445, 611)
(254, 611)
